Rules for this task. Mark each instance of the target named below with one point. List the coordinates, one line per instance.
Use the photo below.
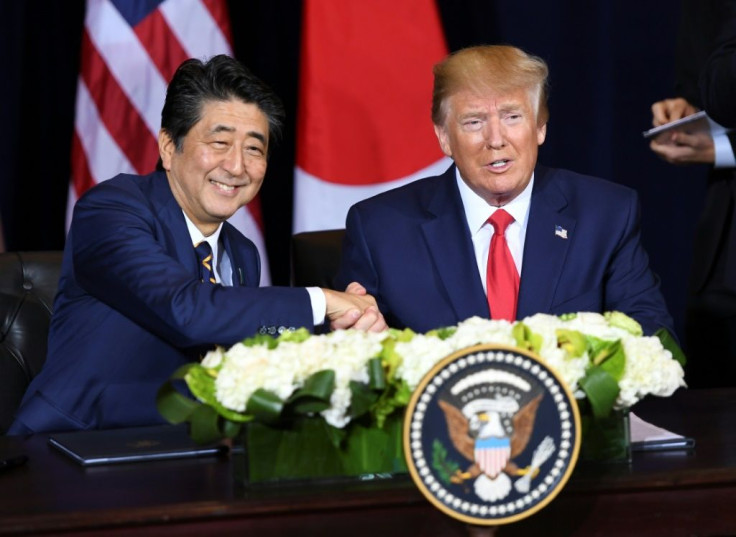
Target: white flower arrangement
(328, 370)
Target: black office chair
(315, 257)
(28, 283)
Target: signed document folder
(90, 448)
(692, 124)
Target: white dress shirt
(477, 212)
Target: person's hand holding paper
(681, 134)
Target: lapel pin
(560, 232)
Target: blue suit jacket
(411, 249)
(130, 308)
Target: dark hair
(221, 78)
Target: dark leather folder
(90, 448)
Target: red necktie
(502, 279)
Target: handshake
(354, 308)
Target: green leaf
(376, 374)
(203, 425)
(201, 384)
(230, 429)
(572, 341)
(568, 316)
(315, 395)
(264, 406)
(445, 468)
(174, 406)
(390, 358)
(670, 343)
(405, 335)
(362, 398)
(261, 339)
(601, 390)
(296, 336)
(525, 338)
(443, 333)
(623, 321)
(607, 354)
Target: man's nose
(234, 162)
(494, 134)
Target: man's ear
(166, 148)
(441, 133)
(541, 134)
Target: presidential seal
(491, 435)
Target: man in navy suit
(422, 250)
(134, 301)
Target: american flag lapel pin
(560, 232)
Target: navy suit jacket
(411, 249)
(130, 309)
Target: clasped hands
(680, 147)
(354, 308)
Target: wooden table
(665, 493)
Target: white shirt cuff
(724, 157)
(319, 304)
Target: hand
(682, 148)
(354, 308)
(671, 110)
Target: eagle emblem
(490, 433)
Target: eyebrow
(225, 128)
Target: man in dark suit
(134, 300)
(425, 250)
(706, 40)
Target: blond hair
(490, 68)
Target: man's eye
(254, 150)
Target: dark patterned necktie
(204, 257)
(502, 278)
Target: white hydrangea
(244, 370)
(570, 369)
(284, 370)
(475, 330)
(419, 356)
(650, 370)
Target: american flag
(130, 50)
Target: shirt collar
(197, 236)
(477, 210)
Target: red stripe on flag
(82, 179)
(254, 208)
(121, 118)
(161, 44)
(218, 9)
(366, 68)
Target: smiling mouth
(222, 186)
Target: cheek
(257, 170)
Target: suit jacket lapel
(244, 273)
(453, 258)
(545, 248)
(172, 217)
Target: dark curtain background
(609, 61)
